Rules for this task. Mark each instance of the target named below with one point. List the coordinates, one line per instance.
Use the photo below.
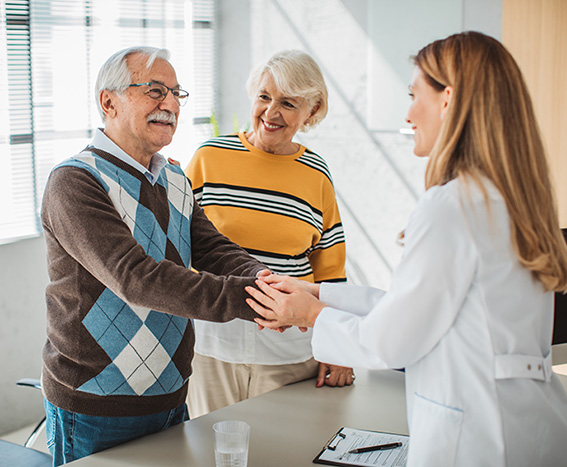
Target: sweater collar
(157, 163)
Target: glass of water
(231, 443)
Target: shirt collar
(158, 162)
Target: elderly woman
(275, 198)
(470, 308)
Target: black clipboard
(335, 451)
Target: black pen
(379, 447)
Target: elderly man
(122, 232)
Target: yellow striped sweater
(281, 208)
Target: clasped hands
(284, 301)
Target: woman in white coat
(470, 310)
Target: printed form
(336, 452)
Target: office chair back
(560, 317)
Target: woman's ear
(446, 100)
(314, 110)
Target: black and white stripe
(295, 266)
(315, 161)
(330, 237)
(225, 142)
(217, 194)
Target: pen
(379, 447)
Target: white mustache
(162, 116)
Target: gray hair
(295, 74)
(115, 75)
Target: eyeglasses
(159, 92)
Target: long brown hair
(490, 130)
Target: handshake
(283, 302)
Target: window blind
(18, 195)
(51, 53)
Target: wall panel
(535, 32)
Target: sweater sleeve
(194, 170)
(86, 236)
(355, 299)
(213, 252)
(328, 256)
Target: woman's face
(425, 113)
(276, 118)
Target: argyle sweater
(121, 294)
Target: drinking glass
(231, 443)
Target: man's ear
(107, 99)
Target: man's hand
(288, 305)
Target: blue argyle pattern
(140, 342)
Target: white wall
(395, 35)
(23, 277)
(398, 30)
(404, 26)
(233, 64)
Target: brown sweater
(121, 292)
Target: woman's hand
(288, 305)
(334, 375)
(279, 283)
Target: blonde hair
(295, 74)
(490, 130)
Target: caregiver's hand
(291, 304)
(288, 283)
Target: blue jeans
(71, 436)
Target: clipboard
(336, 451)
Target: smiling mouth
(162, 118)
(271, 126)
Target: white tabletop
(288, 426)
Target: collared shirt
(101, 141)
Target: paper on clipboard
(336, 451)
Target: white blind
(18, 193)
(51, 53)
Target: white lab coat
(473, 330)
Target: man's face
(140, 125)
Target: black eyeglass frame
(180, 95)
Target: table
(288, 426)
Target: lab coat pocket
(435, 431)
